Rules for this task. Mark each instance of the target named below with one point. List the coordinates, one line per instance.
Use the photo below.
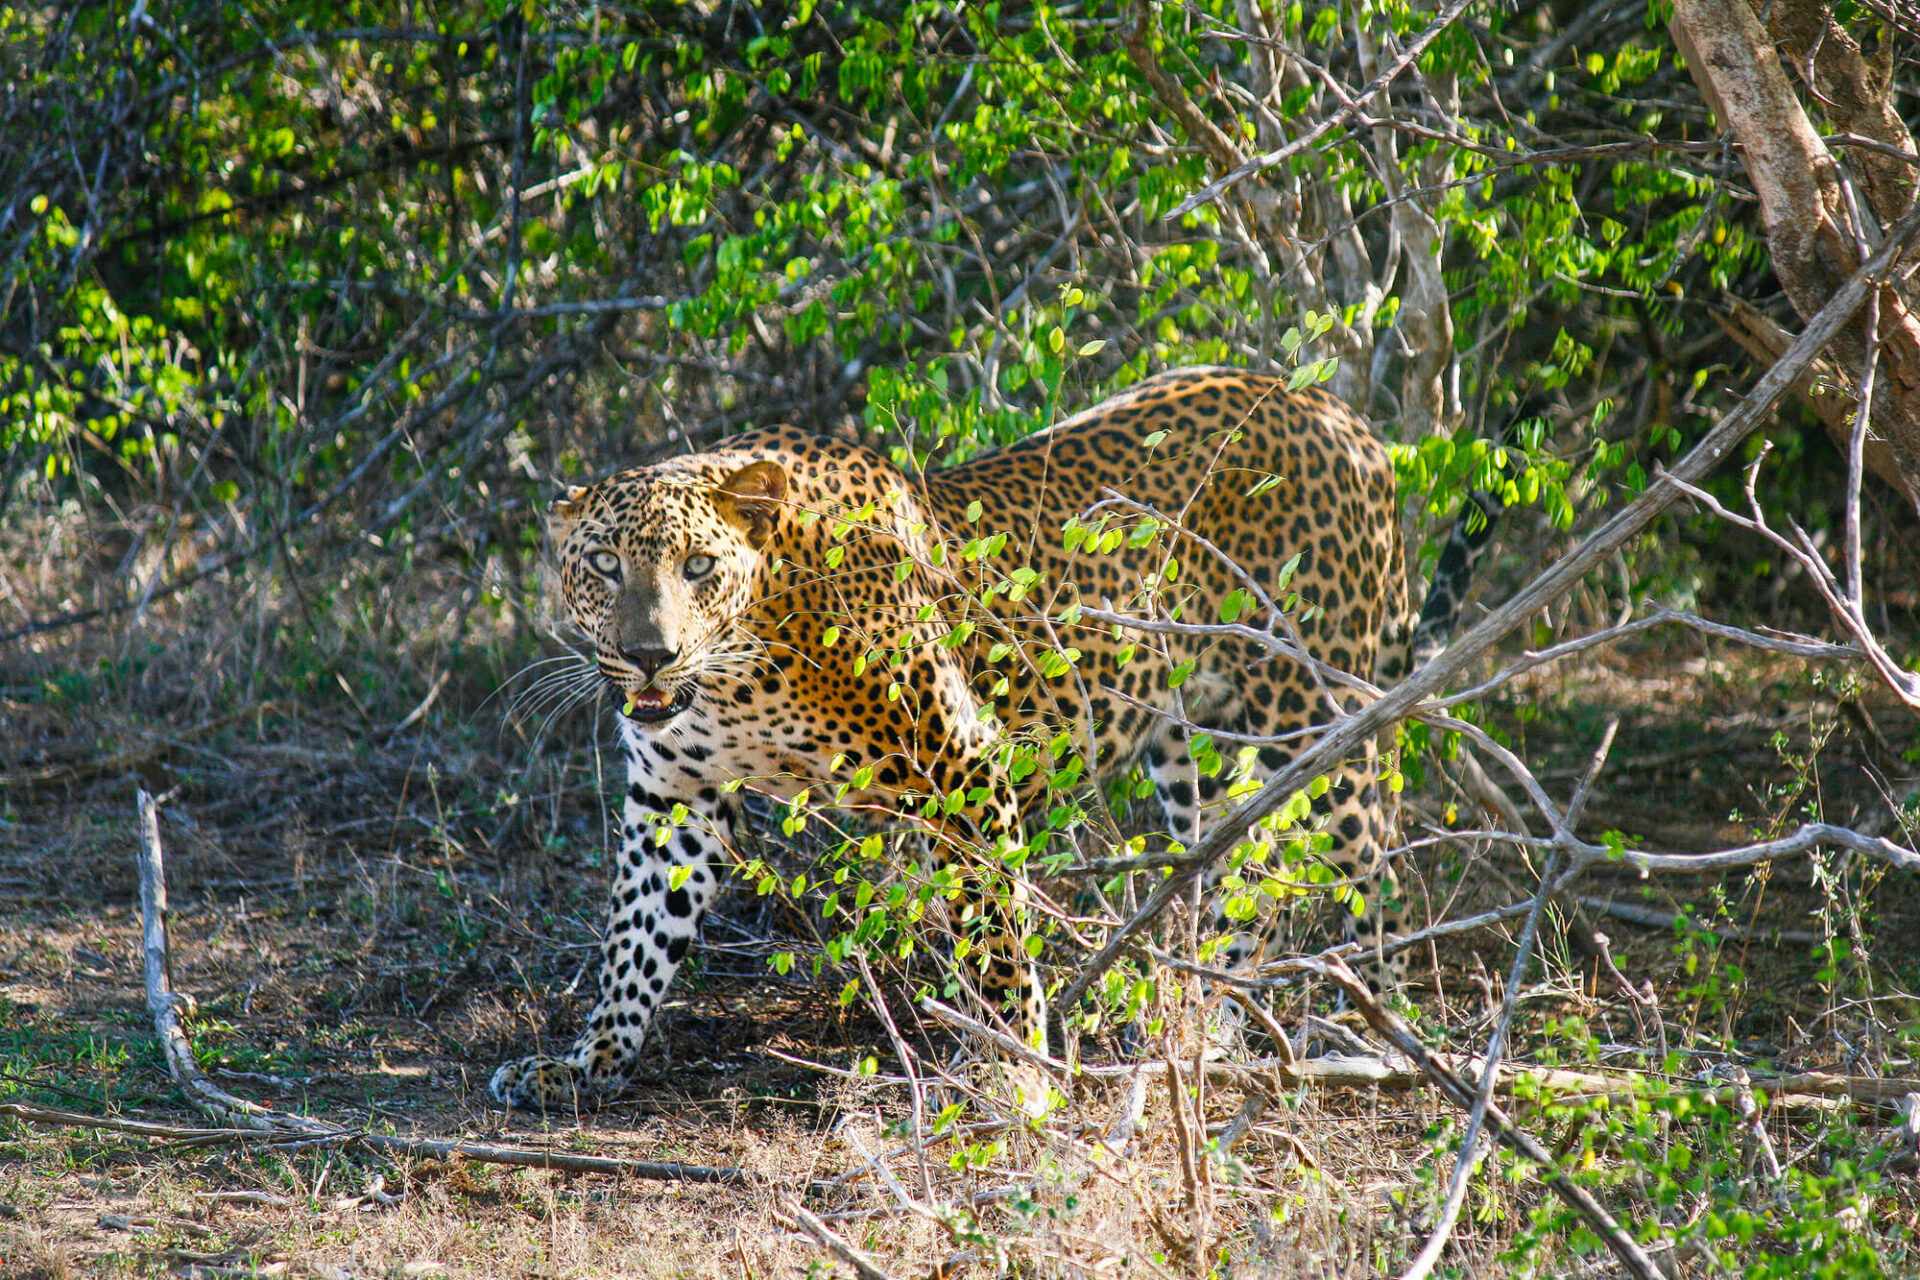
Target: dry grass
(371, 918)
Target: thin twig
(1469, 1158)
(916, 1090)
(1655, 918)
(862, 1265)
(1280, 155)
(416, 1148)
(1792, 646)
(1846, 611)
(1470, 1154)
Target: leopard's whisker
(584, 692)
(539, 668)
(563, 675)
(549, 688)
(538, 676)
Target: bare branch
(862, 1265)
(1845, 610)
(250, 1121)
(1798, 647)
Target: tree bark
(1855, 95)
(1816, 233)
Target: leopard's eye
(697, 566)
(605, 563)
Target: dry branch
(390, 1144)
(1823, 388)
(121, 1124)
(1348, 110)
(862, 1265)
(250, 1121)
(1655, 918)
(1469, 1157)
(1803, 1091)
(123, 762)
(834, 1244)
(165, 1007)
(1843, 600)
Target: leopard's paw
(539, 1083)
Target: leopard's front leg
(666, 875)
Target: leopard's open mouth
(652, 705)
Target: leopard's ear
(751, 498)
(563, 511)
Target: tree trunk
(1817, 229)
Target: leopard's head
(657, 567)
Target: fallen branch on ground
(1655, 918)
(123, 762)
(121, 1124)
(390, 1144)
(249, 1121)
(1802, 1091)
(164, 1006)
(862, 1265)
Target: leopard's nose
(649, 661)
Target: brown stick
(1806, 1091)
(252, 1121)
(1280, 155)
(122, 762)
(417, 1148)
(862, 1265)
(164, 1006)
(120, 1124)
(536, 1158)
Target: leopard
(790, 599)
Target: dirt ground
(370, 915)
